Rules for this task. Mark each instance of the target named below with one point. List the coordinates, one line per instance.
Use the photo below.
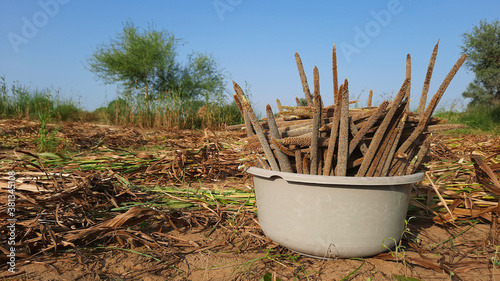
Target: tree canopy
(482, 46)
(145, 62)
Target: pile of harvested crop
(387, 140)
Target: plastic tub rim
(328, 180)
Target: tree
(145, 62)
(482, 46)
(201, 77)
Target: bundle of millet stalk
(386, 140)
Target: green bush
(482, 118)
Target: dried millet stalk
(354, 131)
(402, 160)
(298, 141)
(316, 124)
(308, 108)
(298, 132)
(444, 127)
(271, 122)
(303, 79)
(333, 135)
(335, 74)
(432, 120)
(370, 96)
(288, 125)
(367, 125)
(283, 160)
(263, 163)
(238, 103)
(412, 168)
(298, 161)
(388, 161)
(408, 77)
(304, 141)
(280, 108)
(387, 148)
(379, 134)
(297, 101)
(253, 146)
(360, 116)
(282, 148)
(248, 123)
(427, 81)
(300, 112)
(341, 169)
(305, 164)
(432, 106)
(257, 127)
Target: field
(121, 203)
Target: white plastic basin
(332, 217)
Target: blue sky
(45, 43)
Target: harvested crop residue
(128, 203)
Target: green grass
(45, 106)
(478, 118)
(169, 111)
(22, 102)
